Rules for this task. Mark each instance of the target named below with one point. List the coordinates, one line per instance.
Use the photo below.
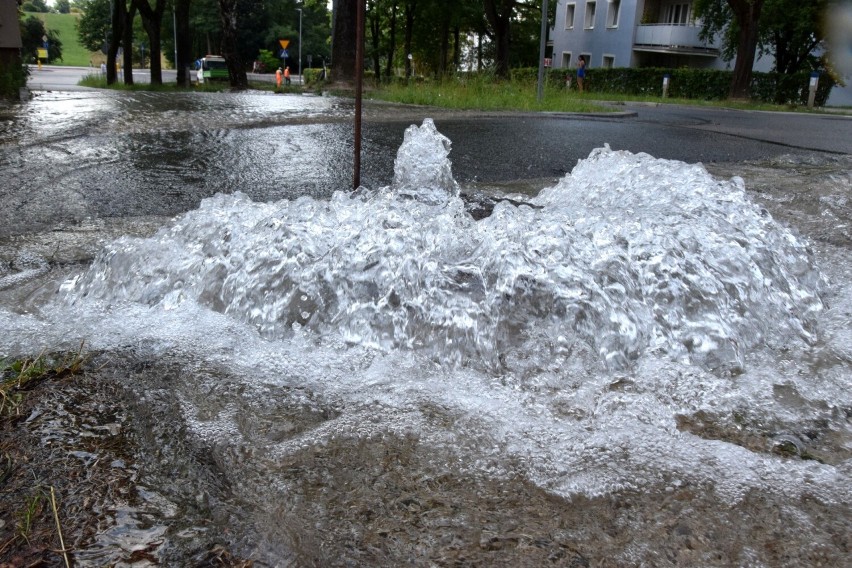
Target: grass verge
(19, 375)
(487, 94)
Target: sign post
(666, 85)
(812, 88)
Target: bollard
(666, 85)
(812, 89)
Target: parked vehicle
(212, 68)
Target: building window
(569, 16)
(590, 15)
(566, 59)
(614, 12)
(608, 61)
(676, 14)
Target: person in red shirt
(287, 75)
(278, 77)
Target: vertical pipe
(541, 48)
(359, 68)
(174, 27)
(301, 82)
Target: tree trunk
(410, 7)
(236, 70)
(118, 17)
(127, 43)
(747, 14)
(152, 19)
(343, 42)
(456, 48)
(184, 41)
(391, 39)
(376, 36)
(445, 43)
(499, 14)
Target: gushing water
(638, 327)
(628, 254)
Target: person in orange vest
(287, 75)
(278, 77)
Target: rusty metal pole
(541, 51)
(359, 72)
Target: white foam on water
(566, 334)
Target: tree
(152, 21)
(118, 17)
(500, 14)
(791, 30)
(93, 26)
(409, 11)
(62, 6)
(32, 32)
(36, 6)
(183, 49)
(343, 41)
(744, 18)
(236, 67)
(391, 49)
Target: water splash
(627, 254)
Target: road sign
(284, 43)
(283, 54)
(41, 53)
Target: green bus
(212, 68)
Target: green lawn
(73, 53)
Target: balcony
(673, 38)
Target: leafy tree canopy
(36, 6)
(93, 26)
(788, 30)
(32, 32)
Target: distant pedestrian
(581, 73)
(287, 75)
(278, 75)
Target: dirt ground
(362, 503)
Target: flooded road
(645, 362)
(68, 157)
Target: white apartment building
(633, 33)
(643, 33)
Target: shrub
(13, 76)
(314, 77)
(269, 63)
(702, 84)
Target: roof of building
(10, 30)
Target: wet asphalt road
(529, 147)
(119, 155)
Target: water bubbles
(628, 253)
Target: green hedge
(703, 84)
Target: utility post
(541, 50)
(301, 81)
